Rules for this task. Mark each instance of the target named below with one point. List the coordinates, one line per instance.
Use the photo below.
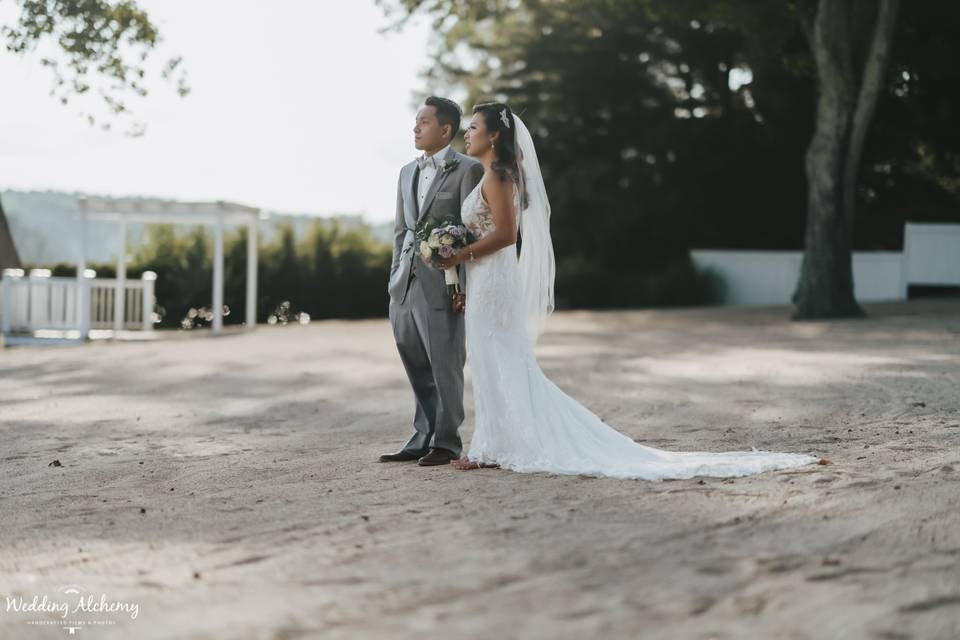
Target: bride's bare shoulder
(495, 186)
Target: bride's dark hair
(506, 165)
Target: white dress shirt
(428, 174)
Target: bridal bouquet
(442, 240)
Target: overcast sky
(296, 105)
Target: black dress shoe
(399, 456)
(437, 457)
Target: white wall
(878, 275)
(931, 256)
(752, 277)
(932, 253)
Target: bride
(524, 422)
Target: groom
(427, 324)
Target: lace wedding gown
(525, 423)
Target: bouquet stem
(452, 279)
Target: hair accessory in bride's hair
(505, 119)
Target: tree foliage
(97, 46)
(94, 46)
(331, 272)
(668, 124)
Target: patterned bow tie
(426, 161)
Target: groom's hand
(459, 302)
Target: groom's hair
(448, 112)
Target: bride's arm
(499, 195)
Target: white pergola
(130, 210)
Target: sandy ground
(228, 487)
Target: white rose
(446, 239)
(433, 242)
(425, 251)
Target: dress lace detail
(525, 423)
(480, 222)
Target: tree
(94, 46)
(649, 147)
(851, 42)
(911, 166)
(99, 46)
(628, 112)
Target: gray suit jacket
(444, 199)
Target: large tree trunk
(9, 258)
(851, 42)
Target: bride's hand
(446, 263)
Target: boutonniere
(449, 165)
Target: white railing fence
(38, 302)
(138, 303)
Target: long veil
(537, 264)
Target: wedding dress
(524, 422)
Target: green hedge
(337, 272)
(331, 272)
